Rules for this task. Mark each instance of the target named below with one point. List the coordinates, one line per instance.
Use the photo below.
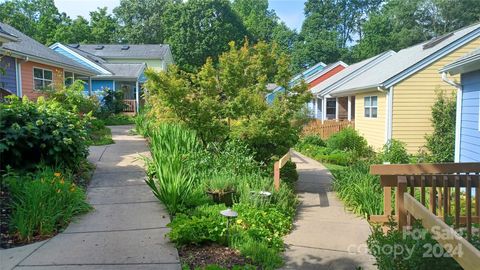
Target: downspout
(458, 116)
(389, 114)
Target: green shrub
(441, 143)
(44, 131)
(312, 140)
(395, 152)
(380, 244)
(73, 99)
(112, 103)
(360, 191)
(349, 140)
(288, 173)
(43, 202)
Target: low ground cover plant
(98, 133)
(119, 120)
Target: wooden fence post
(387, 201)
(401, 212)
(276, 175)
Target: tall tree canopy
(198, 29)
(103, 26)
(402, 23)
(263, 23)
(141, 20)
(36, 18)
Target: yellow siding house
(394, 98)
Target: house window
(371, 106)
(42, 78)
(331, 107)
(68, 78)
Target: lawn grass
(119, 120)
(101, 136)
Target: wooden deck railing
(276, 169)
(131, 105)
(327, 128)
(431, 193)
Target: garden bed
(213, 254)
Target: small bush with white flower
(42, 131)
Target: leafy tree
(76, 31)
(263, 23)
(141, 20)
(36, 18)
(103, 26)
(198, 29)
(403, 23)
(227, 100)
(441, 143)
(330, 27)
(257, 18)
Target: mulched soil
(201, 256)
(6, 240)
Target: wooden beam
(391, 180)
(469, 258)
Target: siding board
(470, 126)
(414, 96)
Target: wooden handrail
(467, 256)
(427, 168)
(276, 169)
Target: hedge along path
(325, 235)
(126, 229)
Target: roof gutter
(28, 57)
(458, 115)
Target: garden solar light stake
(229, 213)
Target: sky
(289, 11)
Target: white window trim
(330, 107)
(370, 107)
(43, 79)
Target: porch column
(324, 109)
(336, 108)
(349, 117)
(89, 86)
(315, 107)
(137, 96)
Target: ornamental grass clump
(44, 202)
(173, 178)
(360, 191)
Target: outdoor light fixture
(229, 214)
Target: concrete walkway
(325, 235)
(126, 230)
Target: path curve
(127, 228)
(325, 235)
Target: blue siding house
(8, 80)
(467, 137)
(119, 67)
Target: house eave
(419, 65)
(34, 58)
